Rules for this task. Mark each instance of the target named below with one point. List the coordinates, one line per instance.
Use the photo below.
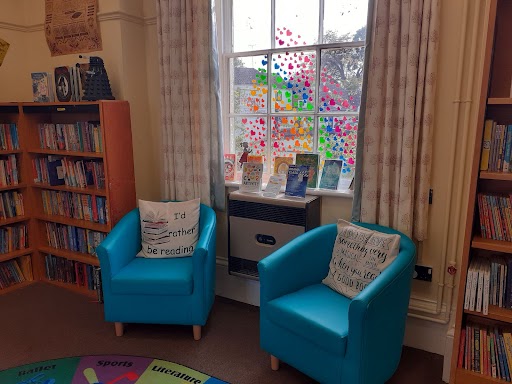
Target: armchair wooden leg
(274, 363)
(119, 328)
(197, 332)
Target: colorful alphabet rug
(105, 369)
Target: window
(293, 73)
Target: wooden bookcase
(495, 103)
(119, 191)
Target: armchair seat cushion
(155, 277)
(317, 312)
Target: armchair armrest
(121, 244)
(301, 262)
(377, 319)
(204, 259)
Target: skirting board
(420, 334)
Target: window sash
(227, 29)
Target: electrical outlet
(422, 273)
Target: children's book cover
(311, 160)
(281, 165)
(255, 159)
(251, 177)
(331, 174)
(297, 180)
(41, 87)
(229, 166)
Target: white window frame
(225, 30)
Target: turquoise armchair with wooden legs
(331, 338)
(160, 291)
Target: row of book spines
(81, 136)
(495, 214)
(9, 137)
(10, 274)
(9, 171)
(77, 173)
(496, 147)
(488, 283)
(11, 204)
(71, 238)
(72, 272)
(76, 205)
(487, 351)
(13, 238)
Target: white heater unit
(258, 226)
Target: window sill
(345, 193)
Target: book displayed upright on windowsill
(252, 174)
(311, 160)
(297, 181)
(331, 174)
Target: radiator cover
(258, 226)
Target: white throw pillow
(358, 257)
(169, 229)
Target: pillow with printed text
(358, 257)
(168, 229)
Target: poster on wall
(71, 26)
(4, 46)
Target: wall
(130, 52)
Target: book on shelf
(71, 238)
(11, 204)
(75, 173)
(72, 272)
(13, 238)
(10, 274)
(496, 147)
(297, 180)
(82, 136)
(331, 174)
(9, 139)
(42, 87)
(252, 174)
(495, 216)
(485, 350)
(311, 160)
(8, 170)
(75, 205)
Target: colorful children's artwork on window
(293, 81)
(250, 134)
(341, 78)
(337, 137)
(249, 87)
(292, 134)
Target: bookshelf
(488, 219)
(91, 142)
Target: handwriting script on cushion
(359, 255)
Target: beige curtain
(191, 139)
(395, 159)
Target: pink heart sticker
(288, 33)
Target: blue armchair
(325, 335)
(160, 291)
